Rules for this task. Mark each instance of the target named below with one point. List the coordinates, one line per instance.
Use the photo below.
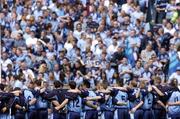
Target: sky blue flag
(173, 63)
(129, 55)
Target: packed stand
(90, 59)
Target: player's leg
(32, 114)
(94, 114)
(19, 115)
(148, 114)
(74, 115)
(121, 114)
(138, 114)
(88, 115)
(42, 114)
(126, 114)
(157, 114)
(108, 115)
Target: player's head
(2, 87)
(142, 84)
(86, 84)
(133, 83)
(174, 82)
(120, 82)
(157, 80)
(72, 84)
(104, 84)
(38, 83)
(58, 84)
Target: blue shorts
(107, 115)
(74, 115)
(90, 114)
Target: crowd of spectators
(97, 40)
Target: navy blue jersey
(133, 101)
(89, 94)
(120, 96)
(4, 98)
(106, 102)
(74, 103)
(42, 102)
(28, 95)
(147, 99)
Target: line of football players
(137, 100)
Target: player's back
(75, 102)
(175, 96)
(121, 96)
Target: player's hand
(4, 109)
(133, 110)
(57, 108)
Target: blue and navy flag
(173, 63)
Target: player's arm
(105, 91)
(158, 91)
(119, 88)
(138, 93)
(137, 107)
(121, 103)
(75, 91)
(161, 103)
(55, 102)
(62, 104)
(89, 103)
(174, 103)
(32, 101)
(93, 98)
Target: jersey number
(123, 98)
(176, 99)
(76, 103)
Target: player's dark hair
(157, 79)
(86, 83)
(133, 83)
(119, 82)
(173, 82)
(17, 88)
(2, 87)
(142, 84)
(72, 84)
(58, 84)
(105, 84)
(38, 82)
